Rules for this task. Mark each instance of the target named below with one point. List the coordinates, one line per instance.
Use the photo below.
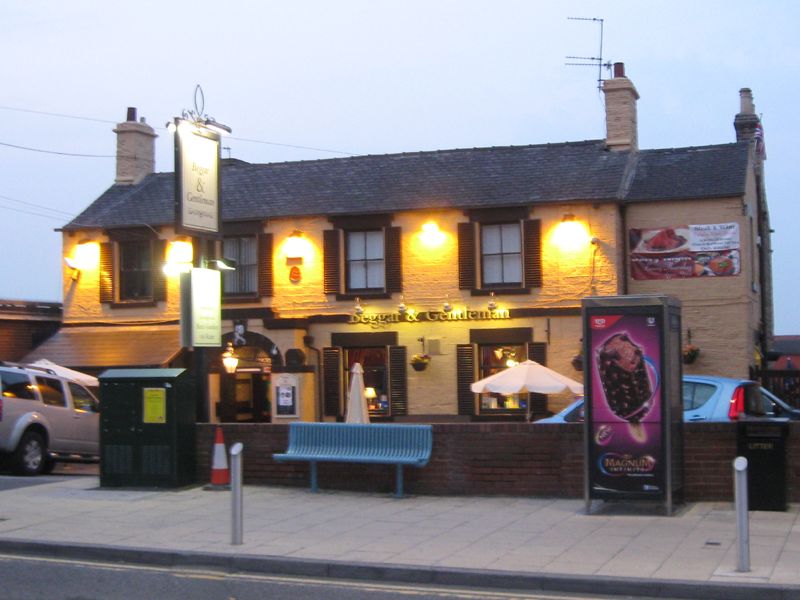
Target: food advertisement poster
(625, 428)
(682, 251)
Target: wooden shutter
(265, 278)
(466, 256)
(106, 283)
(394, 260)
(332, 265)
(398, 393)
(158, 250)
(537, 351)
(532, 240)
(332, 381)
(465, 368)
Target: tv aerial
(591, 61)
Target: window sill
(132, 304)
(240, 299)
(380, 295)
(504, 291)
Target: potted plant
(419, 362)
(577, 361)
(690, 353)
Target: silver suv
(44, 417)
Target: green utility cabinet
(147, 428)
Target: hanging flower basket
(419, 362)
(690, 354)
(577, 362)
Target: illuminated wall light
(431, 235)
(296, 248)
(571, 235)
(179, 257)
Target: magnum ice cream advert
(681, 251)
(625, 427)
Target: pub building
(430, 269)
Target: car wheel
(30, 455)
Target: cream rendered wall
(722, 312)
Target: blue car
(711, 399)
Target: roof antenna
(593, 60)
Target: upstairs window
(365, 261)
(499, 251)
(242, 252)
(362, 257)
(132, 268)
(501, 254)
(135, 271)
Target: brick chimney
(136, 150)
(745, 122)
(621, 120)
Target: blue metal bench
(398, 445)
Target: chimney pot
(746, 102)
(619, 69)
(131, 114)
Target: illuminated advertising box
(634, 417)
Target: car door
(85, 419)
(699, 400)
(56, 411)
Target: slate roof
(464, 179)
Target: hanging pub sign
(197, 182)
(683, 251)
(634, 403)
(201, 302)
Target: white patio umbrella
(528, 376)
(356, 400)
(81, 378)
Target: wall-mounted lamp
(431, 235)
(179, 257)
(447, 307)
(492, 302)
(570, 234)
(73, 264)
(295, 248)
(401, 308)
(227, 264)
(357, 308)
(229, 359)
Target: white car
(44, 417)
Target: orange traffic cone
(220, 474)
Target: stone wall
(508, 459)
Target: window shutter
(332, 381)
(332, 265)
(532, 240)
(537, 351)
(398, 394)
(265, 281)
(466, 256)
(394, 260)
(106, 283)
(158, 249)
(465, 367)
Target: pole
(237, 500)
(742, 523)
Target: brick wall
(514, 459)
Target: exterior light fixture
(179, 257)
(295, 248)
(492, 302)
(357, 308)
(73, 264)
(229, 359)
(571, 235)
(401, 308)
(447, 307)
(431, 235)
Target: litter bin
(763, 443)
(147, 428)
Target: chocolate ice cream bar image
(622, 370)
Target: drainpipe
(308, 341)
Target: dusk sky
(312, 79)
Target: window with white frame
(241, 251)
(365, 260)
(501, 254)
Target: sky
(311, 79)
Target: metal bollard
(742, 517)
(236, 494)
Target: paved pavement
(530, 543)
